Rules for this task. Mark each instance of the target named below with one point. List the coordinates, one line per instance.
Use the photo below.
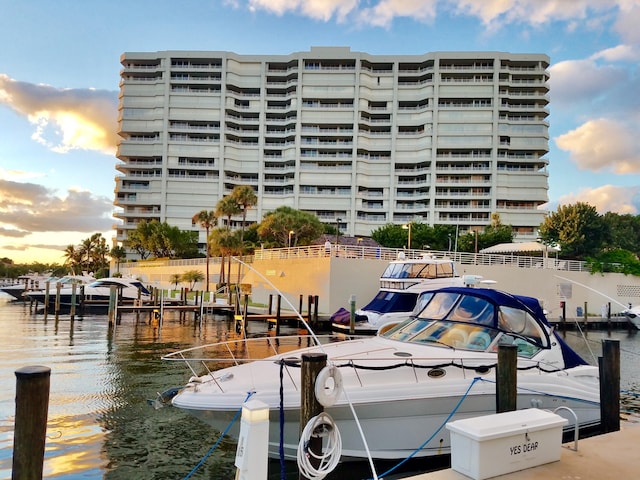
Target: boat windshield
(470, 322)
(428, 270)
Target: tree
(245, 197)
(207, 220)
(276, 225)
(176, 278)
(137, 239)
(624, 231)
(118, 253)
(193, 277)
(578, 229)
(73, 259)
(161, 240)
(226, 207)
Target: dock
(609, 456)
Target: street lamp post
(338, 220)
(407, 226)
(449, 243)
(290, 233)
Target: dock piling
(609, 365)
(506, 379)
(312, 363)
(32, 406)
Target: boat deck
(609, 456)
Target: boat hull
(395, 430)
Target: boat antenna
(315, 338)
(300, 317)
(592, 289)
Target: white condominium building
(359, 140)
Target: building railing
(381, 253)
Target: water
(101, 425)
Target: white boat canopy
(520, 247)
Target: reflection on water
(100, 422)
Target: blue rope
(215, 445)
(455, 409)
(283, 471)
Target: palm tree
(207, 220)
(118, 253)
(193, 277)
(245, 197)
(226, 207)
(176, 278)
(73, 259)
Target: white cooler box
(492, 445)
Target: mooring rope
(446, 420)
(215, 445)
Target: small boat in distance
(400, 284)
(404, 383)
(25, 284)
(96, 294)
(633, 315)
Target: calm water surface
(100, 422)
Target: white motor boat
(25, 284)
(633, 315)
(403, 384)
(96, 295)
(400, 284)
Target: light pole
(407, 226)
(290, 233)
(449, 243)
(338, 220)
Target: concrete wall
(335, 279)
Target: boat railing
(204, 360)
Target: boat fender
(328, 386)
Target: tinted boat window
(406, 329)
(522, 323)
(439, 305)
(473, 310)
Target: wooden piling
(72, 311)
(112, 304)
(315, 309)
(56, 309)
(309, 307)
(609, 365)
(312, 363)
(46, 298)
(32, 406)
(278, 304)
(82, 300)
(506, 379)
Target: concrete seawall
(335, 278)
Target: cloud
(608, 198)
(317, 9)
(627, 22)
(65, 119)
(584, 80)
(592, 14)
(382, 14)
(9, 232)
(603, 144)
(32, 208)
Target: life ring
(328, 386)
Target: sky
(59, 84)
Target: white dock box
(492, 445)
